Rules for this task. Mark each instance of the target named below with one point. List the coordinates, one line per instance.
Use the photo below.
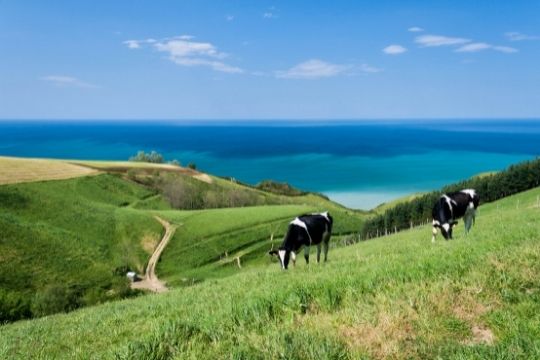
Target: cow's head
(283, 256)
(446, 229)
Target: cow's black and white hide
(305, 231)
(451, 207)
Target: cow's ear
(454, 223)
(272, 252)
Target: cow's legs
(325, 247)
(318, 253)
(434, 232)
(306, 254)
(293, 258)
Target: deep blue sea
(360, 164)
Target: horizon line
(262, 120)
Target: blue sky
(269, 59)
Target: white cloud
(462, 44)
(312, 69)
(517, 36)
(179, 48)
(132, 44)
(229, 17)
(183, 51)
(369, 69)
(67, 81)
(480, 46)
(505, 49)
(415, 29)
(316, 69)
(137, 44)
(473, 47)
(269, 15)
(394, 49)
(439, 40)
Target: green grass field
(207, 242)
(70, 234)
(400, 296)
(65, 244)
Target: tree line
(516, 178)
(156, 158)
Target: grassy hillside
(207, 243)
(399, 296)
(185, 192)
(68, 243)
(380, 209)
(66, 238)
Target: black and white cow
(306, 230)
(451, 207)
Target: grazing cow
(451, 207)
(305, 230)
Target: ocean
(357, 163)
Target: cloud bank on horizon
(207, 60)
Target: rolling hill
(68, 243)
(398, 296)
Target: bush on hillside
(181, 194)
(281, 188)
(53, 299)
(152, 157)
(186, 193)
(14, 306)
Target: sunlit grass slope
(400, 296)
(380, 209)
(17, 170)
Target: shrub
(121, 288)
(152, 157)
(52, 299)
(280, 188)
(14, 306)
(132, 174)
(94, 296)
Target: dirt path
(150, 281)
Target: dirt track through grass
(150, 281)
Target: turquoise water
(357, 164)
